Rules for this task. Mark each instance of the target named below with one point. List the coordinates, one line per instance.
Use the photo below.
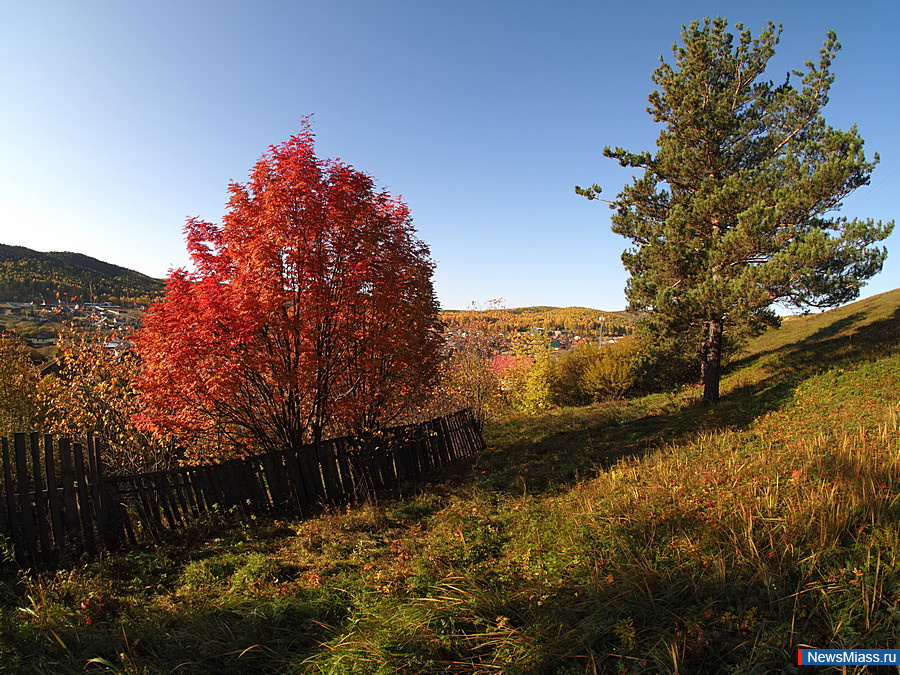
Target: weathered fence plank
(11, 516)
(53, 494)
(298, 487)
(81, 489)
(25, 511)
(40, 494)
(67, 478)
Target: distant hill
(32, 276)
(578, 319)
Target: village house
(42, 339)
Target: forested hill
(580, 319)
(32, 276)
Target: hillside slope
(651, 535)
(27, 275)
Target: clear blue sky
(121, 119)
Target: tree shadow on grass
(535, 461)
(557, 460)
(825, 333)
(843, 342)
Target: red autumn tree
(310, 311)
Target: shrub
(591, 373)
(612, 373)
(569, 372)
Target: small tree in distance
(20, 404)
(474, 337)
(731, 214)
(95, 393)
(310, 312)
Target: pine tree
(736, 209)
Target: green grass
(651, 535)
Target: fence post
(53, 498)
(26, 512)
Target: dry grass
(652, 535)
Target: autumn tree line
(530, 376)
(579, 320)
(509, 361)
(310, 311)
(100, 390)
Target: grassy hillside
(27, 275)
(653, 535)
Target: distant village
(503, 342)
(38, 323)
(42, 317)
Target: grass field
(648, 535)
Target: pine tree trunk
(711, 364)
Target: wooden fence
(56, 497)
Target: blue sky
(121, 119)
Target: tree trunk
(711, 364)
